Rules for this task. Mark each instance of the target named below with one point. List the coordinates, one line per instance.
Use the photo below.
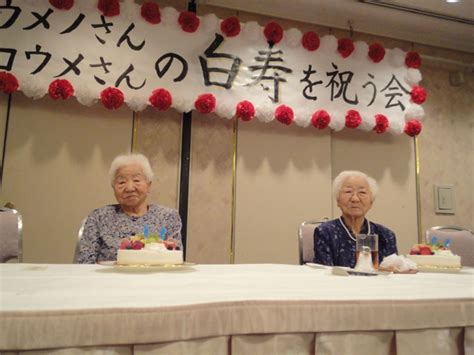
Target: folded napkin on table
(397, 263)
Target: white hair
(339, 180)
(129, 159)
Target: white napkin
(398, 263)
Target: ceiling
(431, 22)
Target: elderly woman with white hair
(335, 240)
(131, 177)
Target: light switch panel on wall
(444, 199)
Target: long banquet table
(232, 309)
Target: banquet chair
(462, 241)
(11, 230)
(306, 240)
(78, 242)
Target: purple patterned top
(105, 227)
(333, 247)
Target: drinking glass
(368, 243)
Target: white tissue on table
(398, 262)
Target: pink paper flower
(413, 128)
(376, 52)
(320, 119)
(60, 89)
(161, 99)
(62, 4)
(273, 32)
(418, 95)
(345, 47)
(245, 110)
(150, 11)
(413, 60)
(112, 98)
(284, 114)
(188, 21)
(205, 103)
(353, 119)
(310, 41)
(230, 26)
(8, 83)
(381, 124)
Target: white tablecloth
(60, 306)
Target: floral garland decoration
(60, 89)
(376, 52)
(230, 26)
(188, 21)
(310, 41)
(150, 11)
(413, 60)
(320, 119)
(62, 4)
(112, 98)
(245, 110)
(8, 83)
(353, 119)
(284, 114)
(418, 95)
(205, 103)
(381, 124)
(345, 47)
(413, 128)
(161, 99)
(273, 33)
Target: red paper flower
(413, 60)
(273, 32)
(150, 11)
(230, 26)
(353, 119)
(284, 114)
(161, 99)
(418, 95)
(188, 21)
(109, 7)
(413, 128)
(60, 89)
(62, 4)
(8, 83)
(381, 124)
(345, 47)
(376, 52)
(112, 98)
(245, 110)
(205, 103)
(320, 119)
(310, 41)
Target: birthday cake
(434, 257)
(150, 251)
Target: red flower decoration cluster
(418, 94)
(230, 26)
(413, 128)
(245, 110)
(161, 99)
(150, 11)
(413, 60)
(353, 119)
(381, 124)
(284, 114)
(62, 4)
(376, 52)
(60, 89)
(205, 103)
(310, 41)
(109, 8)
(8, 83)
(188, 21)
(320, 119)
(112, 98)
(273, 33)
(345, 47)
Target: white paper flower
(302, 117)
(361, 51)
(266, 113)
(252, 31)
(396, 57)
(338, 120)
(328, 44)
(169, 16)
(368, 122)
(413, 76)
(397, 125)
(86, 95)
(414, 111)
(136, 103)
(34, 89)
(293, 37)
(130, 10)
(225, 110)
(209, 24)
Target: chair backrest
(462, 241)
(78, 242)
(306, 240)
(11, 230)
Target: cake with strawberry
(139, 250)
(434, 257)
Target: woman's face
(355, 198)
(131, 186)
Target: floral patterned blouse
(105, 228)
(334, 247)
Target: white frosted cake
(429, 258)
(135, 252)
